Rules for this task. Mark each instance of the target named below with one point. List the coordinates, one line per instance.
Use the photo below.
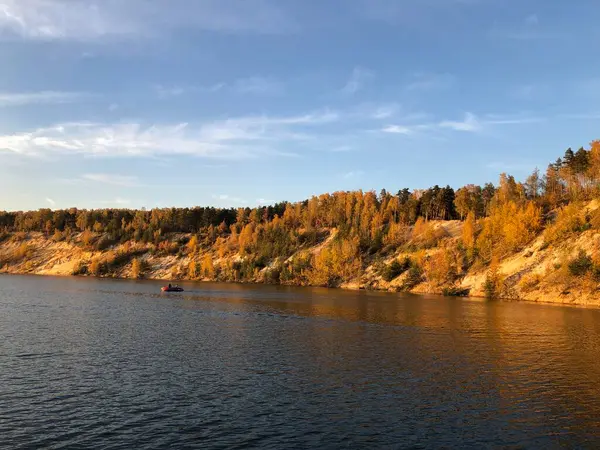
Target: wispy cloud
(341, 149)
(584, 116)
(118, 202)
(529, 91)
(264, 201)
(385, 112)
(470, 124)
(42, 97)
(529, 29)
(51, 202)
(86, 20)
(235, 138)
(108, 178)
(252, 85)
(258, 85)
(359, 77)
(228, 199)
(511, 166)
(353, 174)
(397, 129)
(428, 82)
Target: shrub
(103, 243)
(570, 219)
(529, 282)
(455, 291)
(581, 264)
(80, 269)
(395, 269)
(413, 278)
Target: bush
(80, 269)
(103, 243)
(455, 292)
(414, 277)
(395, 269)
(529, 282)
(581, 264)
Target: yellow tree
(468, 232)
(136, 268)
(207, 268)
(192, 270)
(192, 245)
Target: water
(115, 364)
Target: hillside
(535, 240)
(539, 272)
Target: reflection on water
(117, 364)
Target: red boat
(170, 288)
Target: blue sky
(131, 103)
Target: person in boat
(169, 285)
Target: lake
(114, 364)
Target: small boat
(170, 288)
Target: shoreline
(340, 288)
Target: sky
(229, 103)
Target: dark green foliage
(80, 269)
(395, 269)
(489, 288)
(273, 276)
(414, 277)
(103, 243)
(581, 264)
(455, 292)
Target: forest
(359, 229)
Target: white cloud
(42, 97)
(533, 19)
(252, 85)
(225, 198)
(385, 112)
(511, 167)
(529, 29)
(86, 20)
(107, 178)
(341, 149)
(167, 92)
(469, 124)
(428, 82)
(263, 201)
(584, 116)
(117, 202)
(236, 138)
(51, 202)
(258, 85)
(397, 129)
(353, 174)
(357, 80)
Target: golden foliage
(441, 267)
(508, 228)
(426, 234)
(192, 270)
(207, 268)
(336, 263)
(137, 268)
(192, 245)
(569, 219)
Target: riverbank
(538, 273)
